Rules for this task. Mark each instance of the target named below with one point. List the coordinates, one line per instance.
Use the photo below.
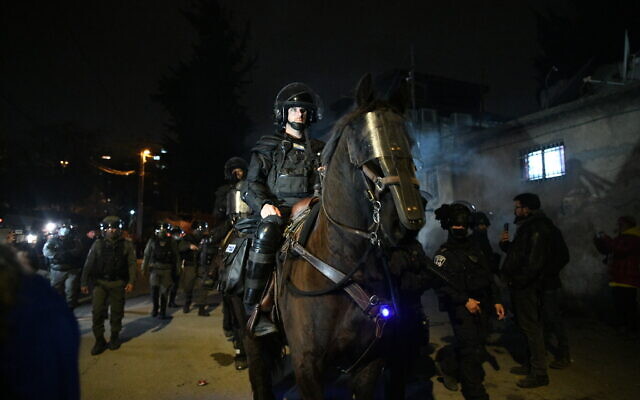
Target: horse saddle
(303, 218)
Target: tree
(202, 99)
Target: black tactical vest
(162, 252)
(466, 268)
(112, 260)
(293, 173)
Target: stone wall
(601, 136)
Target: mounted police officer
(468, 293)
(283, 170)
(63, 251)
(111, 268)
(192, 272)
(161, 259)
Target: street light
(144, 154)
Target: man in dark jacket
(623, 258)
(283, 170)
(63, 251)
(523, 270)
(111, 268)
(467, 291)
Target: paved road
(161, 360)
(165, 360)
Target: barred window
(543, 162)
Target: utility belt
(110, 278)
(162, 266)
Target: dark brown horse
(370, 203)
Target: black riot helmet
(200, 229)
(479, 218)
(297, 94)
(232, 164)
(456, 214)
(111, 226)
(163, 230)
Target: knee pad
(267, 238)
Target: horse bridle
(380, 184)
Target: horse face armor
(385, 140)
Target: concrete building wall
(601, 136)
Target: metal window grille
(543, 162)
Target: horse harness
(372, 306)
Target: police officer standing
(192, 273)
(176, 234)
(63, 252)
(468, 293)
(160, 260)
(283, 170)
(111, 268)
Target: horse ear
(364, 91)
(399, 98)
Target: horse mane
(347, 120)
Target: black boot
(114, 343)
(163, 307)
(187, 305)
(155, 298)
(172, 297)
(533, 381)
(202, 311)
(99, 347)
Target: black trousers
(624, 299)
(470, 332)
(527, 307)
(552, 306)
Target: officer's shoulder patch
(439, 260)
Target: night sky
(97, 63)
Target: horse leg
(308, 375)
(363, 381)
(259, 371)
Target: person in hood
(623, 259)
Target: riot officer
(160, 260)
(63, 250)
(176, 234)
(283, 170)
(467, 292)
(236, 212)
(111, 268)
(192, 273)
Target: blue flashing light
(385, 311)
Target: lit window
(544, 162)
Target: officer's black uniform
(193, 273)
(465, 273)
(283, 170)
(161, 259)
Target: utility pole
(144, 154)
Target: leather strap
(355, 291)
(382, 182)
